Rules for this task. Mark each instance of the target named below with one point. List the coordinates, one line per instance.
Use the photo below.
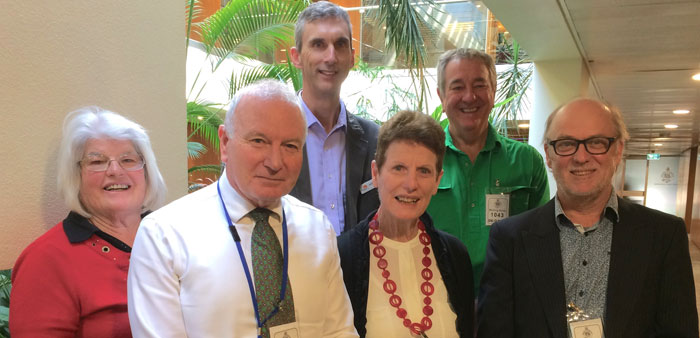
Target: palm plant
(5, 287)
(513, 83)
(403, 20)
(245, 29)
(242, 30)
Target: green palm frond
(193, 8)
(437, 116)
(403, 20)
(294, 74)
(5, 288)
(195, 150)
(251, 27)
(282, 72)
(204, 119)
(207, 168)
(513, 84)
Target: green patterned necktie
(267, 269)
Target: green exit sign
(653, 156)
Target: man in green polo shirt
(486, 177)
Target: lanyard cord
(251, 288)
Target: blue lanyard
(285, 259)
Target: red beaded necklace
(376, 237)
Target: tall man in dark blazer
(625, 266)
(335, 176)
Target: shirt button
(585, 234)
(473, 205)
(332, 205)
(580, 293)
(585, 262)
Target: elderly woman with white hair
(71, 281)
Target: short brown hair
(411, 126)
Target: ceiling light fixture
(696, 77)
(681, 111)
(524, 125)
(658, 144)
(670, 126)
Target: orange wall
(207, 8)
(355, 20)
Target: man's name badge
(580, 323)
(367, 186)
(289, 330)
(591, 328)
(497, 207)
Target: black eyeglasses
(593, 145)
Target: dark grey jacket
(360, 146)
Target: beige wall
(55, 56)
(553, 83)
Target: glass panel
(635, 172)
(457, 24)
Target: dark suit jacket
(360, 146)
(651, 292)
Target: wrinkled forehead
(580, 120)
(326, 27)
(271, 115)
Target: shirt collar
(78, 228)
(492, 140)
(311, 118)
(610, 211)
(237, 206)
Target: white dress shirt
(186, 278)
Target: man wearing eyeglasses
(587, 262)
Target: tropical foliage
(512, 85)
(245, 30)
(5, 287)
(403, 20)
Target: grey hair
(615, 117)
(317, 11)
(465, 54)
(96, 123)
(263, 89)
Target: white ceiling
(641, 55)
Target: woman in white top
(404, 277)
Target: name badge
(367, 186)
(497, 207)
(591, 328)
(289, 330)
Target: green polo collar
(492, 139)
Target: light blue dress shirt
(326, 155)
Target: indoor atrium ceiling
(641, 55)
